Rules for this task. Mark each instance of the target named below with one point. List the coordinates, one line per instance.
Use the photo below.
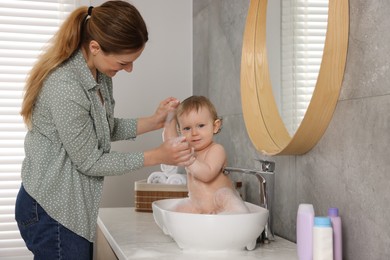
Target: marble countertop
(135, 235)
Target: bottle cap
(333, 212)
(322, 222)
(306, 207)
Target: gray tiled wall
(350, 166)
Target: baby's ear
(217, 126)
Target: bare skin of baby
(210, 190)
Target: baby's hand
(192, 158)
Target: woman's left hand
(165, 108)
(158, 119)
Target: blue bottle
(322, 239)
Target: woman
(69, 110)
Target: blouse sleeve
(124, 129)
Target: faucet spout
(266, 194)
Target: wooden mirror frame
(263, 122)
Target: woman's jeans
(44, 236)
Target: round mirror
(295, 39)
(264, 124)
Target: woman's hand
(175, 151)
(164, 111)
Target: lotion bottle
(305, 221)
(322, 239)
(333, 214)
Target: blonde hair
(116, 25)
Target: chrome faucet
(265, 176)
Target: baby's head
(196, 103)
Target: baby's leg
(185, 205)
(229, 201)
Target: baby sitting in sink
(210, 190)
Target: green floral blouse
(68, 147)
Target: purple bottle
(333, 214)
(305, 223)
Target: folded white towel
(177, 179)
(169, 169)
(157, 177)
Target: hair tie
(90, 10)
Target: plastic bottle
(322, 239)
(333, 214)
(305, 222)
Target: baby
(210, 190)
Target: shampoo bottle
(333, 214)
(322, 239)
(305, 220)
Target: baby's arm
(170, 131)
(208, 169)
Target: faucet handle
(267, 166)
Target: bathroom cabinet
(124, 233)
(103, 250)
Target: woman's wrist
(152, 158)
(147, 124)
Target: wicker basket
(146, 193)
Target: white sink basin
(223, 232)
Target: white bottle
(322, 239)
(305, 222)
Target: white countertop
(135, 235)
